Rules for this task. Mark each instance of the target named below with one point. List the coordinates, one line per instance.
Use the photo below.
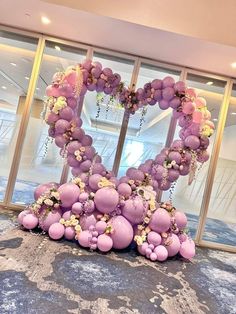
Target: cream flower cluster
(59, 104)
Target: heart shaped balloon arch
(99, 210)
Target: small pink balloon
(161, 253)
(153, 256)
(188, 107)
(101, 226)
(200, 102)
(104, 243)
(142, 248)
(197, 117)
(56, 231)
(22, 215)
(67, 215)
(30, 221)
(69, 233)
(192, 141)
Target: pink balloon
(174, 246)
(61, 126)
(153, 256)
(98, 168)
(154, 238)
(94, 180)
(88, 220)
(77, 208)
(160, 221)
(106, 199)
(60, 141)
(188, 107)
(104, 243)
(22, 215)
(52, 118)
(84, 238)
(181, 219)
(72, 102)
(52, 91)
(30, 221)
(197, 117)
(142, 248)
(161, 253)
(73, 146)
(56, 231)
(49, 219)
(134, 210)
(200, 102)
(192, 142)
(67, 215)
(175, 156)
(124, 189)
(66, 113)
(69, 233)
(187, 249)
(42, 188)
(69, 194)
(87, 140)
(101, 226)
(123, 232)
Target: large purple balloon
(160, 220)
(49, 219)
(69, 194)
(123, 232)
(106, 199)
(134, 210)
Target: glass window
(188, 198)
(41, 161)
(221, 217)
(147, 129)
(16, 60)
(103, 122)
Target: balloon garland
(99, 210)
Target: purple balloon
(164, 104)
(22, 215)
(66, 113)
(168, 93)
(69, 233)
(30, 221)
(84, 238)
(52, 118)
(168, 82)
(104, 243)
(173, 175)
(77, 208)
(192, 142)
(154, 238)
(69, 194)
(124, 189)
(123, 232)
(106, 199)
(175, 103)
(180, 86)
(160, 221)
(180, 219)
(62, 126)
(72, 102)
(175, 156)
(161, 253)
(174, 246)
(78, 134)
(73, 146)
(49, 219)
(94, 180)
(56, 231)
(88, 220)
(156, 84)
(101, 226)
(134, 210)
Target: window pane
(16, 60)
(104, 126)
(188, 198)
(38, 164)
(146, 134)
(221, 218)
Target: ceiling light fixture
(233, 65)
(215, 119)
(4, 87)
(26, 77)
(233, 113)
(45, 20)
(58, 48)
(209, 83)
(13, 64)
(37, 88)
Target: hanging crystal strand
(171, 192)
(99, 99)
(108, 104)
(142, 119)
(46, 144)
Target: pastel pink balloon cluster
(99, 210)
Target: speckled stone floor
(38, 275)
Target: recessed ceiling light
(4, 87)
(45, 20)
(14, 64)
(215, 119)
(233, 113)
(233, 65)
(37, 88)
(26, 77)
(58, 48)
(209, 83)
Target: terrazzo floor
(38, 275)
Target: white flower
(56, 195)
(40, 201)
(48, 202)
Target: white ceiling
(199, 34)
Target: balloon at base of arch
(96, 208)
